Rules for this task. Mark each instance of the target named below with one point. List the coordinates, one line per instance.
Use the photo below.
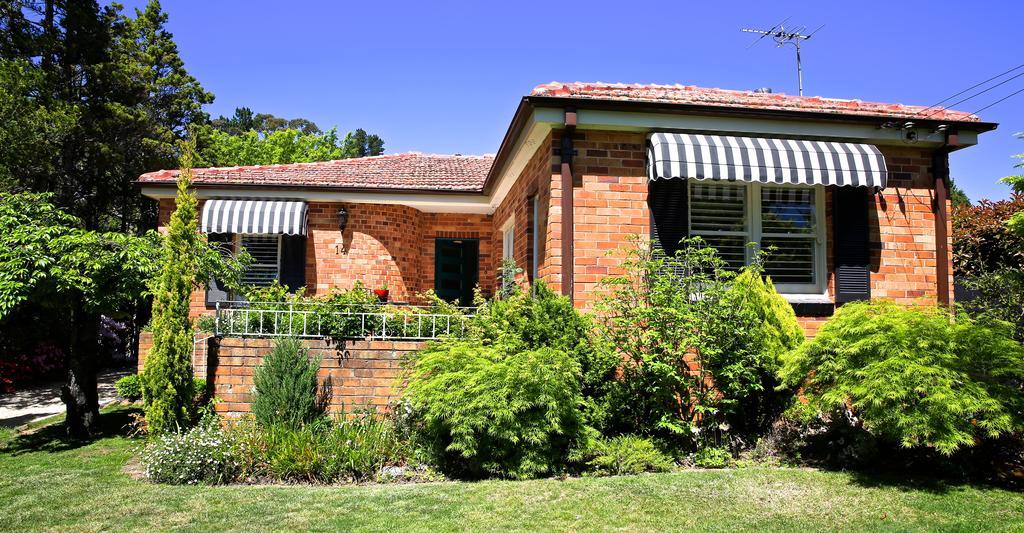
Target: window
(787, 219)
(508, 239)
(266, 255)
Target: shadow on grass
(112, 422)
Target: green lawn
(46, 483)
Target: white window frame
(508, 238)
(237, 242)
(752, 199)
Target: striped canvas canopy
(764, 160)
(261, 217)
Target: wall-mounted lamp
(342, 219)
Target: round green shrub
(129, 387)
(918, 376)
(493, 411)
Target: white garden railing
(317, 320)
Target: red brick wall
(381, 243)
(535, 179)
(611, 204)
(364, 374)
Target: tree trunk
(80, 394)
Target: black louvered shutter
(852, 251)
(293, 261)
(215, 290)
(667, 201)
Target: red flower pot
(382, 294)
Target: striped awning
(260, 217)
(764, 160)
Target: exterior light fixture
(342, 219)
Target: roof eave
(289, 187)
(702, 109)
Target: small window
(508, 239)
(266, 259)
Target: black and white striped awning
(260, 217)
(764, 160)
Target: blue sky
(445, 77)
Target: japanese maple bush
(918, 376)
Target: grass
(49, 483)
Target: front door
(456, 269)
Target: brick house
(853, 196)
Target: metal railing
(314, 320)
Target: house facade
(851, 196)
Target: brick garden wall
(363, 374)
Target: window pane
(792, 261)
(717, 207)
(264, 268)
(733, 250)
(787, 210)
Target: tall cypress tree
(167, 386)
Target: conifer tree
(167, 378)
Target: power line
(1007, 97)
(970, 88)
(979, 93)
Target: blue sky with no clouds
(445, 77)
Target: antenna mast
(782, 36)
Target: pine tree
(167, 377)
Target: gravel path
(42, 401)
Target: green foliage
(46, 257)
(129, 387)
(96, 99)
(625, 455)
(167, 377)
(353, 448)
(31, 132)
(712, 457)
(286, 389)
(495, 411)
(539, 318)
(916, 376)
(244, 120)
(220, 148)
(700, 350)
(201, 455)
(957, 196)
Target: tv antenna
(782, 36)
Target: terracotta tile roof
(689, 94)
(410, 171)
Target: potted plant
(382, 292)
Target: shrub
(539, 318)
(712, 457)
(918, 376)
(982, 241)
(129, 387)
(286, 390)
(490, 410)
(625, 455)
(202, 454)
(700, 345)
